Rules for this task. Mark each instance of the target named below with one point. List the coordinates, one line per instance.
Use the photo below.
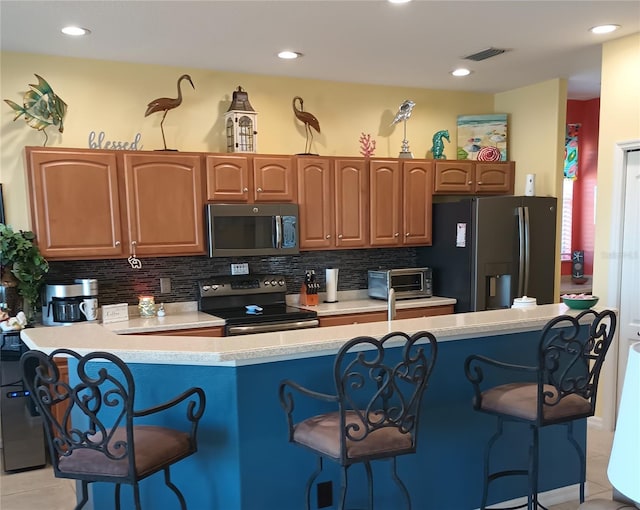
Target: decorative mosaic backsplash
(118, 283)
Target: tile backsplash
(119, 283)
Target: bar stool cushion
(154, 448)
(322, 433)
(520, 400)
(603, 504)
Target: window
(567, 219)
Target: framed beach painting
(482, 137)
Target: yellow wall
(619, 121)
(537, 132)
(112, 97)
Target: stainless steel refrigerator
(488, 250)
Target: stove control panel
(229, 285)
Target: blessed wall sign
(99, 142)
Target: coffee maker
(63, 302)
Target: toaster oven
(407, 283)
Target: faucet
(391, 304)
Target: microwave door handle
(278, 220)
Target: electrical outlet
(165, 285)
(240, 268)
(325, 494)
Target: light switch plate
(240, 268)
(115, 313)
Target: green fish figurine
(42, 107)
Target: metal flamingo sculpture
(309, 121)
(167, 103)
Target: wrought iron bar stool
(559, 388)
(378, 391)
(103, 444)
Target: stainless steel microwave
(407, 283)
(252, 229)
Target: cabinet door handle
(340, 236)
(245, 190)
(117, 243)
(328, 236)
(397, 234)
(470, 182)
(479, 182)
(407, 234)
(259, 190)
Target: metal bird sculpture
(41, 108)
(309, 121)
(167, 103)
(404, 112)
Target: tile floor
(38, 489)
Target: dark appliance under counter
(252, 304)
(22, 430)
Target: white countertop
(278, 346)
(170, 322)
(186, 315)
(366, 304)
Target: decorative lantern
(241, 123)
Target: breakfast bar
(244, 461)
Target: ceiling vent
(485, 54)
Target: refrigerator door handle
(527, 244)
(521, 252)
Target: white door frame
(615, 272)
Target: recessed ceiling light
(75, 31)
(604, 29)
(288, 55)
(398, 1)
(461, 72)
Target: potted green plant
(22, 258)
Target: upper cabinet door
(315, 201)
(453, 177)
(496, 177)
(273, 179)
(228, 178)
(74, 203)
(164, 204)
(417, 191)
(384, 202)
(350, 198)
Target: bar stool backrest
(378, 387)
(570, 359)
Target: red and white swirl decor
(489, 154)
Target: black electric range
(252, 304)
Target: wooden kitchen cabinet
(378, 316)
(213, 331)
(164, 203)
(352, 318)
(332, 196)
(400, 202)
(426, 311)
(474, 177)
(58, 410)
(95, 204)
(75, 204)
(250, 178)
